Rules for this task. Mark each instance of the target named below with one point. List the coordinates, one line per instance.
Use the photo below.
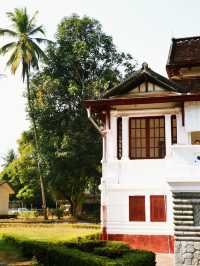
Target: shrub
(112, 250)
(85, 245)
(90, 212)
(51, 255)
(96, 236)
(29, 214)
(58, 212)
(83, 253)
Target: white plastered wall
(192, 116)
(125, 177)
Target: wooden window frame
(147, 118)
(138, 217)
(173, 136)
(161, 218)
(119, 138)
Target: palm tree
(26, 52)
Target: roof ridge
(185, 38)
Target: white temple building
(151, 135)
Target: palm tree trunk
(44, 206)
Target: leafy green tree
(81, 64)
(9, 157)
(26, 51)
(21, 172)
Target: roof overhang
(105, 104)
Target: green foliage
(9, 157)
(85, 245)
(90, 212)
(82, 63)
(58, 212)
(111, 253)
(25, 50)
(21, 173)
(29, 214)
(112, 250)
(63, 147)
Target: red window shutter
(158, 208)
(136, 208)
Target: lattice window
(147, 138)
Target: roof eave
(140, 76)
(107, 103)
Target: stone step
(186, 195)
(183, 217)
(187, 228)
(183, 222)
(183, 233)
(183, 207)
(185, 212)
(186, 201)
(187, 238)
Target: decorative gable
(145, 88)
(142, 83)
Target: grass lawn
(10, 255)
(49, 232)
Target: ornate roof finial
(145, 66)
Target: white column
(111, 140)
(168, 134)
(103, 160)
(183, 137)
(125, 138)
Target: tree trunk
(76, 208)
(44, 206)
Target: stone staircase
(187, 228)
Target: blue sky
(143, 28)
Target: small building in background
(150, 126)
(5, 191)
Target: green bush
(83, 253)
(112, 250)
(58, 212)
(85, 245)
(28, 214)
(50, 255)
(96, 236)
(90, 212)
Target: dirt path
(164, 259)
